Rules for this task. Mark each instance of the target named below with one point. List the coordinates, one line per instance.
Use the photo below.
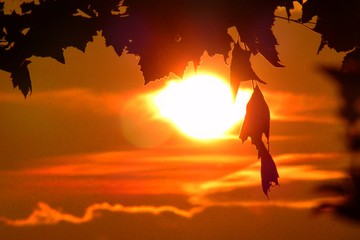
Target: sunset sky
(89, 154)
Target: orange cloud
(173, 171)
(250, 176)
(286, 106)
(46, 215)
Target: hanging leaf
(21, 78)
(257, 118)
(257, 123)
(269, 173)
(240, 69)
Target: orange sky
(82, 157)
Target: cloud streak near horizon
(44, 214)
(294, 168)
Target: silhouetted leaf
(21, 78)
(57, 17)
(257, 118)
(169, 34)
(338, 22)
(269, 173)
(257, 123)
(351, 62)
(289, 5)
(240, 69)
(255, 28)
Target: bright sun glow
(201, 106)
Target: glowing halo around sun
(201, 106)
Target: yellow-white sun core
(201, 106)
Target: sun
(201, 106)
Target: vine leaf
(240, 69)
(257, 118)
(21, 78)
(255, 28)
(257, 123)
(337, 22)
(269, 173)
(289, 5)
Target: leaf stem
(298, 21)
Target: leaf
(257, 122)
(337, 21)
(190, 29)
(257, 118)
(269, 173)
(351, 62)
(21, 78)
(50, 33)
(240, 69)
(289, 5)
(255, 28)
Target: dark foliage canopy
(165, 34)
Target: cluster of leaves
(165, 34)
(45, 30)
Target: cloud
(156, 174)
(294, 169)
(304, 107)
(163, 171)
(137, 171)
(75, 120)
(213, 223)
(250, 177)
(46, 215)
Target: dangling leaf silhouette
(21, 78)
(269, 173)
(257, 118)
(240, 69)
(257, 123)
